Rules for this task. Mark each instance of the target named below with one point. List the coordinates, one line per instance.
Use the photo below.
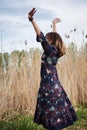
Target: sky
(16, 30)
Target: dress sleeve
(48, 49)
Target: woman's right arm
(30, 17)
(40, 36)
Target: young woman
(53, 109)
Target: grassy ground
(23, 122)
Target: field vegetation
(19, 84)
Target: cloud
(70, 11)
(46, 10)
(13, 16)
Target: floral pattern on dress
(53, 109)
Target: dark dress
(53, 109)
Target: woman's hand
(30, 17)
(31, 14)
(56, 20)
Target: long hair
(56, 40)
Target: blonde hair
(56, 40)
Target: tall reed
(19, 84)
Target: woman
(53, 109)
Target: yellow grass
(20, 84)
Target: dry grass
(19, 85)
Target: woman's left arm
(54, 22)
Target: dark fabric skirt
(53, 109)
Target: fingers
(56, 20)
(59, 20)
(32, 12)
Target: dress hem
(58, 127)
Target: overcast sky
(15, 27)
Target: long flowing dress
(53, 109)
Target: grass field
(19, 84)
(25, 122)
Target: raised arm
(54, 22)
(31, 19)
(40, 36)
